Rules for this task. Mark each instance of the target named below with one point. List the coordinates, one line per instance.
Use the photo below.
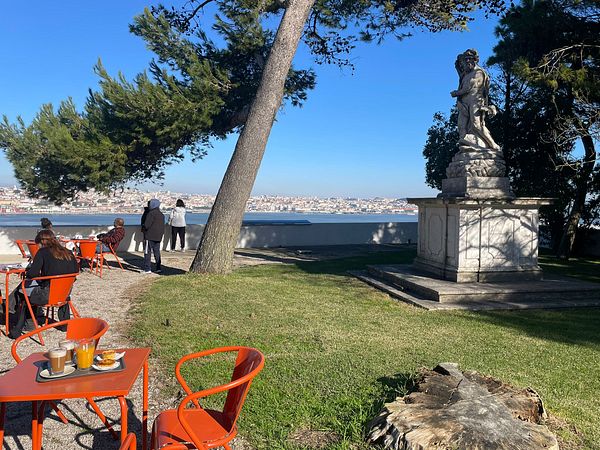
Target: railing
(259, 235)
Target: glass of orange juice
(85, 353)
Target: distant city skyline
(358, 135)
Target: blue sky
(359, 134)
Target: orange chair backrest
(248, 360)
(60, 288)
(32, 247)
(86, 328)
(21, 244)
(87, 249)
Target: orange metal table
(19, 385)
(7, 273)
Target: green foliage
(337, 349)
(440, 147)
(546, 90)
(59, 153)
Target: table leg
(2, 414)
(40, 424)
(34, 422)
(145, 408)
(123, 404)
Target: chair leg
(118, 261)
(35, 322)
(58, 412)
(102, 417)
(74, 310)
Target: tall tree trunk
(215, 253)
(582, 184)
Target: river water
(14, 220)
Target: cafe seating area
(67, 370)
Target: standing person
(154, 229)
(51, 259)
(177, 222)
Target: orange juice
(85, 353)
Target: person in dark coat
(51, 259)
(154, 229)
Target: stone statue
(478, 169)
(472, 102)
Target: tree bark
(215, 253)
(582, 186)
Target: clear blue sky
(358, 135)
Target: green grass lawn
(336, 349)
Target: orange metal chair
(32, 247)
(87, 252)
(199, 428)
(80, 328)
(101, 259)
(21, 244)
(60, 289)
(129, 443)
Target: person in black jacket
(154, 229)
(51, 259)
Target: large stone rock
(455, 410)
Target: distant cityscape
(14, 200)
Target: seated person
(113, 237)
(46, 224)
(51, 259)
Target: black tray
(78, 373)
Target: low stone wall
(263, 236)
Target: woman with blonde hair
(51, 259)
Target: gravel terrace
(109, 298)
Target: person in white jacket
(177, 222)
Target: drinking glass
(85, 353)
(57, 360)
(70, 346)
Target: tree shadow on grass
(390, 388)
(587, 269)
(340, 266)
(574, 326)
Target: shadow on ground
(333, 259)
(19, 430)
(572, 326)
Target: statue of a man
(472, 102)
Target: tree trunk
(215, 253)
(583, 181)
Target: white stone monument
(476, 230)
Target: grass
(337, 349)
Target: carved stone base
(477, 163)
(476, 187)
(477, 173)
(466, 240)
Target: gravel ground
(110, 299)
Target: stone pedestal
(476, 173)
(479, 240)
